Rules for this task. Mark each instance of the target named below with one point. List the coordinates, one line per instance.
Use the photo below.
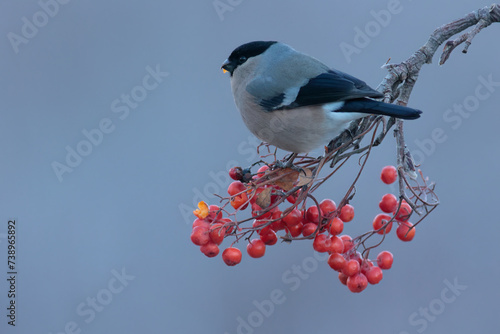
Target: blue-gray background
(123, 208)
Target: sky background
(104, 247)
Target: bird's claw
(288, 163)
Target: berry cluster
(322, 222)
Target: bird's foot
(286, 163)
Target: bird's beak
(227, 66)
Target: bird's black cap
(243, 52)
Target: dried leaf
(264, 198)
(305, 177)
(202, 211)
(287, 178)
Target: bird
(294, 101)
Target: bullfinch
(294, 101)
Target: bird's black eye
(242, 60)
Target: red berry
(210, 249)
(347, 213)
(269, 238)
(336, 226)
(277, 225)
(256, 248)
(348, 244)
(343, 278)
(214, 213)
(322, 243)
(231, 256)
(337, 245)
(328, 207)
(200, 222)
(351, 267)
(374, 275)
(389, 174)
(312, 214)
(389, 203)
(405, 232)
(200, 235)
(309, 229)
(236, 173)
(356, 256)
(293, 197)
(229, 225)
(357, 283)
(236, 187)
(384, 260)
(365, 265)
(379, 221)
(259, 226)
(336, 261)
(293, 218)
(217, 233)
(295, 230)
(404, 212)
(261, 171)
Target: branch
(399, 82)
(481, 18)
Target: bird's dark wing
(332, 86)
(273, 103)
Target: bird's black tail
(379, 108)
